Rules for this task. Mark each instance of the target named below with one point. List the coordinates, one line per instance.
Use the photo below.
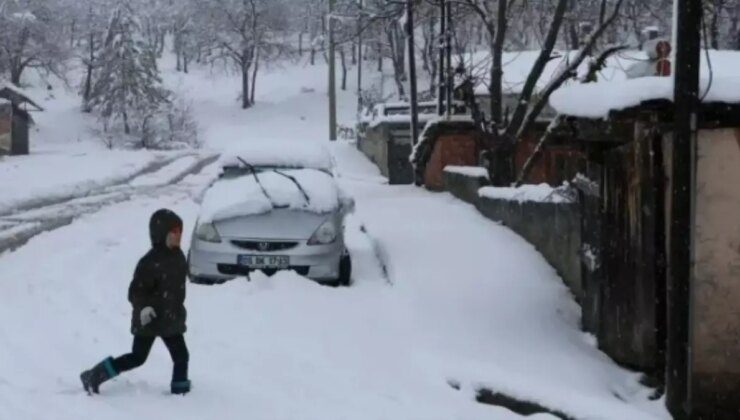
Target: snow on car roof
(243, 195)
(281, 154)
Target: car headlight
(207, 232)
(325, 234)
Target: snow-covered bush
(171, 126)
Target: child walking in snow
(157, 294)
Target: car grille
(240, 270)
(265, 246)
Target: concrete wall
(553, 228)
(388, 145)
(715, 335)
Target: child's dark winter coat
(159, 282)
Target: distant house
(15, 120)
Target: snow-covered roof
(243, 195)
(517, 66)
(16, 94)
(597, 100)
(283, 154)
(579, 100)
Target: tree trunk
(300, 44)
(254, 76)
(126, 127)
(714, 26)
(15, 75)
(245, 86)
(89, 73)
(185, 62)
(343, 59)
(354, 53)
(313, 56)
(573, 36)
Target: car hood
(249, 196)
(276, 224)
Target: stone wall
(553, 228)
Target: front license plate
(264, 261)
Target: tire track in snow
(18, 228)
(39, 203)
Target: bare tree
(507, 130)
(31, 37)
(240, 31)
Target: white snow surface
(440, 295)
(542, 193)
(243, 196)
(28, 180)
(472, 171)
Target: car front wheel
(345, 270)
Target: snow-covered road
(441, 296)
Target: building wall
(6, 118)
(715, 335)
(454, 149)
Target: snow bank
(243, 196)
(542, 193)
(283, 154)
(472, 171)
(578, 100)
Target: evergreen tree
(128, 87)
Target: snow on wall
(243, 196)
(540, 193)
(472, 171)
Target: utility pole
(687, 33)
(332, 77)
(412, 71)
(449, 84)
(359, 57)
(442, 92)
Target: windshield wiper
(257, 178)
(297, 184)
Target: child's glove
(147, 315)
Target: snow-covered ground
(441, 296)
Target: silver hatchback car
(270, 217)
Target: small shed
(453, 141)
(386, 137)
(626, 208)
(15, 119)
